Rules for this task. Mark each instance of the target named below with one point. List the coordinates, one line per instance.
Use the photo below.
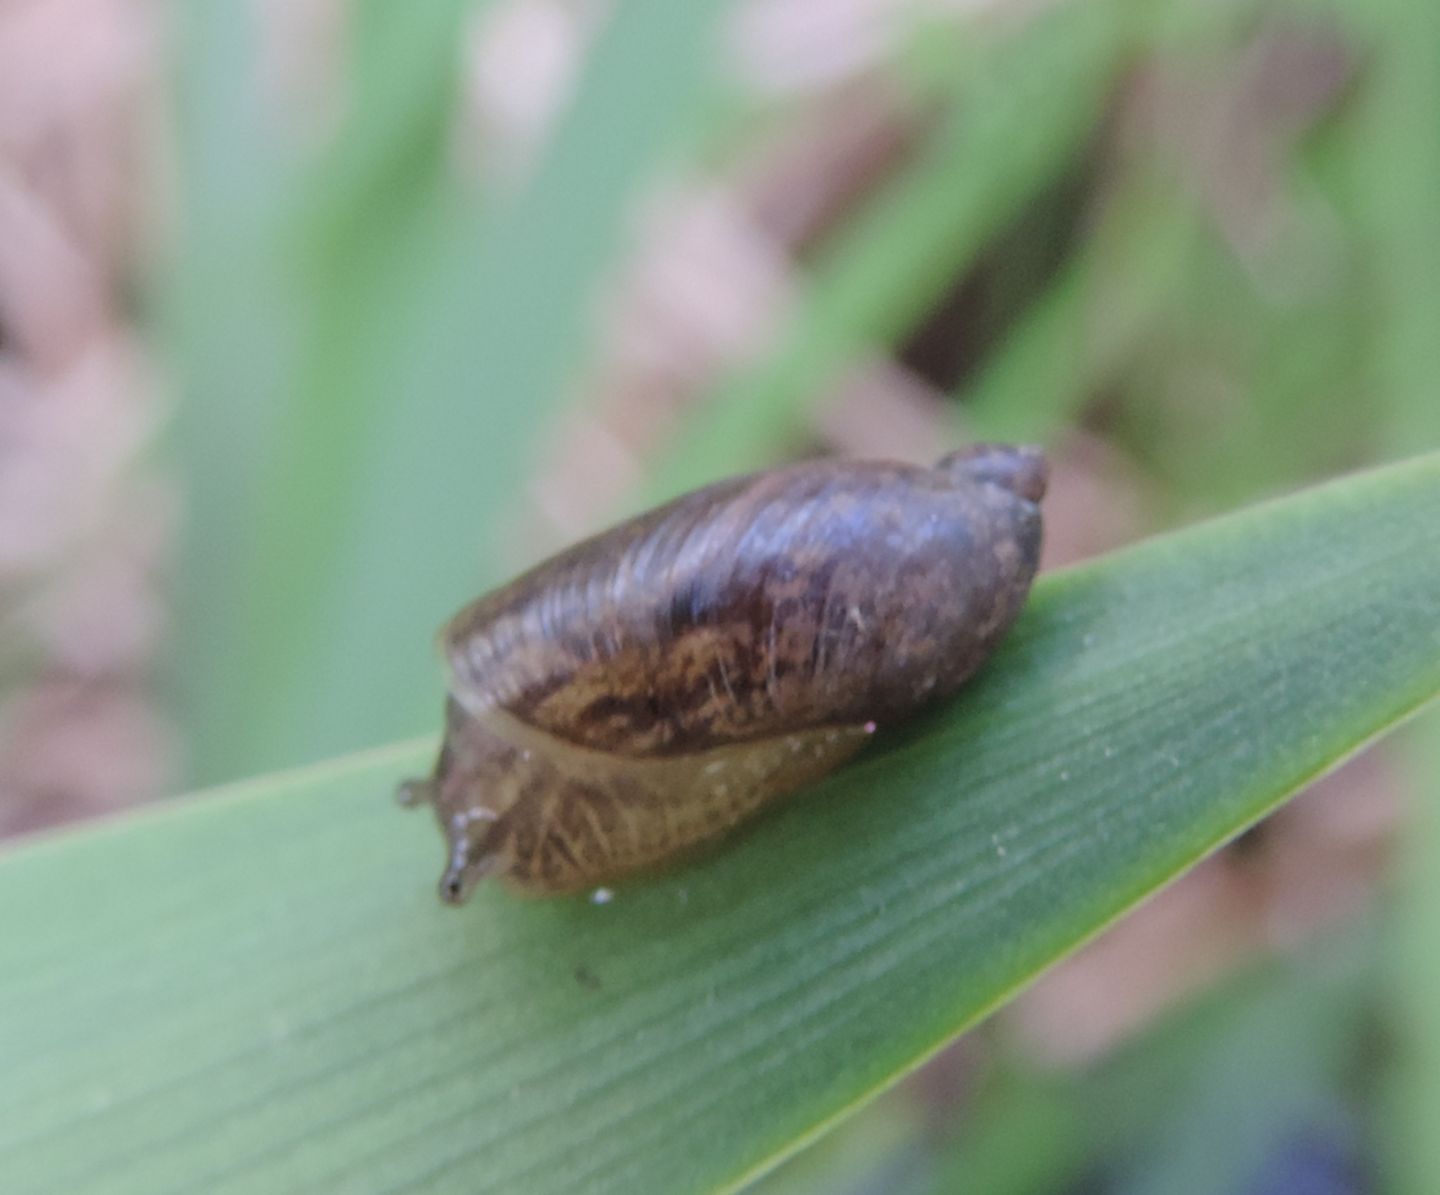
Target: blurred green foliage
(371, 349)
(370, 353)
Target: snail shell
(649, 688)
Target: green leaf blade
(259, 992)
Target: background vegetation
(319, 318)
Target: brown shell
(645, 690)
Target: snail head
(470, 839)
(471, 835)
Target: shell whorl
(833, 592)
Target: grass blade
(259, 992)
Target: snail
(646, 690)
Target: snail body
(647, 689)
